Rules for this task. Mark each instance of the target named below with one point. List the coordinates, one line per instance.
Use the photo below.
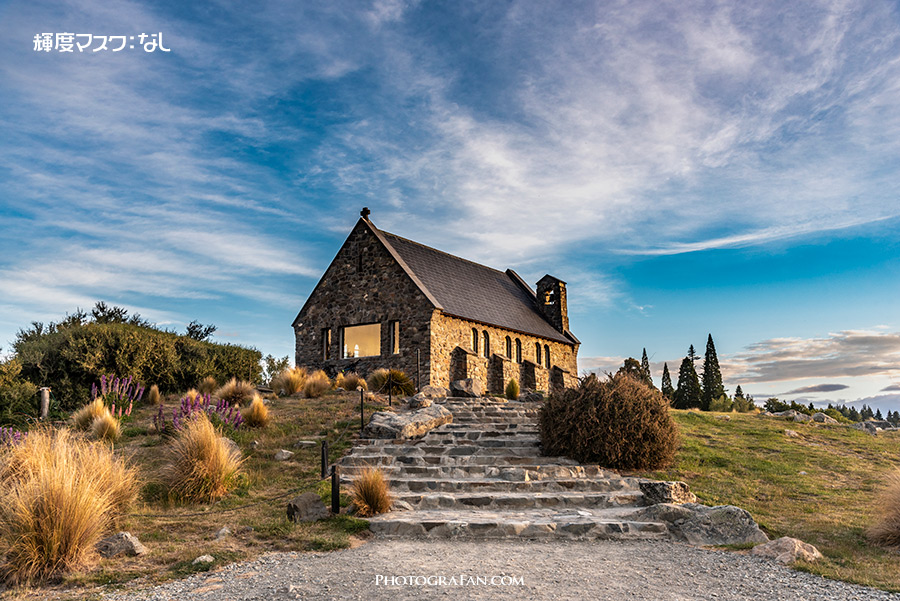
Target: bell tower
(551, 298)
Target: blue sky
(687, 168)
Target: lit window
(547, 356)
(395, 337)
(537, 353)
(487, 344)
(361, 341)
(508, 347)
(475, 340)
(518, 351)
(326, 344)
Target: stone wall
(448, 332)
(365, 285)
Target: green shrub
(399, 383)
(18, 397)
(512, 389)
(619, 423)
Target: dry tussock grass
(84, 418)
(886, 530)
(236, 391)
(58, 496)
(202, 466)
(208, 385)
(399, 383)
(290, 381)
(350, 381)
(106, 427)
(153, 396)
(257, 414)
(317, 384)
(369, 492)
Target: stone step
(500, 501)
(447, 442)
(512, 474)
(451, 459)
(493, 420)
(455, 450)
(401, 484)
(572, 524)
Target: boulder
(203, 559)
(802, 417)
(791, 434)
(787, 550)
(419, 401)
(283, 455)
(305, 444)
(702, 525)
(794, 415)
(866, 427)
(387, 425)
(666, 492)
(308, 507)
(823, 418)
(399, 505)
(117, 544)
(433, 392)
(223, 532)
(468, 388)
(531, 396)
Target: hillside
(818, 486)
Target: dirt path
(534, 570)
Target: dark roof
(471, 291)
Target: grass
(207, 385)
(886, 529)
(317, 384)
(153, 396)
(83, 419)
(235, 391)
(290, 381)
(370, 493)
(821, 487)
(106, 427)
(350, 381)
(257, 414)
(202, 466)
(59, 494)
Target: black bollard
(335, 491)
(324, 458)
(362, 417)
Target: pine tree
(738, 393)
(667, 390)
(645, 370)
(878, 415)
(712, 376)
(687, 395)
(854, 415)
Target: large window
(361, 341)
(537, 353)
(395, 337)
(475, 340)
(487, 344)
(508, 347)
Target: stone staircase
(484, 476)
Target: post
(390, 390)
(324, 458)
(418, 363)
(335, 491)
(45, 402)
(362, 415)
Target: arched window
(487, 344)
(518, 351)
(547, 356)
(537, 353)
(508, 347)
(474, 340)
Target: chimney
(551, 298)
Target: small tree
(645, 370)
(712, 376)
(512, 389)
(668, 391)
(687, 395)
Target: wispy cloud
(817, 388)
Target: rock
(117, 544)
(418, 401)
(866, 427)
(223, 532)
(468, 388)
(305, 444)
(283, 455)
(399, 505)
(203, 559)
(674, 515)
(308, 507)
(666, 492)
(787, 550)
(386, 425)
(722, 525)
(794, 415)
(531, 396)
(433, 392)
(802, 417)
(254, 444)
(791, 434)
(823, 418)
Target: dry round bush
(106, 427)
(369, 492)
(290, 381)
(886, 530)
(619, 423)
(350, 381)
(317, 384)
(153, 396)
(235, 391)
(400, 384)
(84, 418)
(257, 414)
(208, 385)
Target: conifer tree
(687, 395)
(645, 370)
(878, 415)
(712, 376)
(666, 387)
(738, 392)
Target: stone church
(386, 301)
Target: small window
(508, 347)
(474, 340)
(487, 344)
(361, 341)
(326, 344)
(395, 337)
(547, 356)
(518, 351)
(537, 353)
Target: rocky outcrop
(823, 418)
(308, 507)
(121, 543)
(469, 388)
(787, 550)
(413, 424)
(702, 525)
(666, 492)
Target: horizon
(687, 170)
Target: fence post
(324, 458)
(362, 417)
(418, 381)
(390, 390)
(45, 402)
(335, 491)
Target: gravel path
(555, 569)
